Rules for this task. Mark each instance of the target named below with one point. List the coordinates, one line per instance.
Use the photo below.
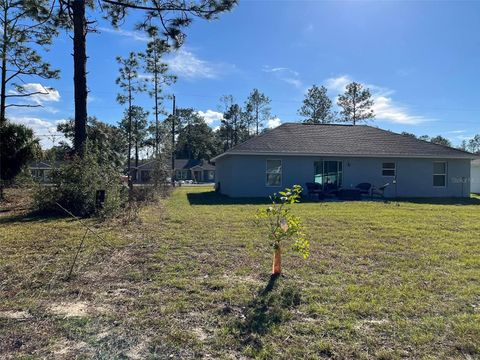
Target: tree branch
(29, 94)
(23, 105)
(159, 8)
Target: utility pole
(174, 115)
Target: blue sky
(420, 59)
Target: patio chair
(380, 191)
(315, 190)
(365, 188)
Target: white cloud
(210, 116)
(273, 123)
(46, 130)
(338, 84)
(385, 107)
(145, 76)
(292, 81)
(45, 94)
(185, 64)
(134, 35)
(285, 74)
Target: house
(199, 171)
(40, 170)
(475, 177)
(342, 156)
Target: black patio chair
(380, 191)
(364, 188)
(315, 190)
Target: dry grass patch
(191, 280)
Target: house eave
(270, 153)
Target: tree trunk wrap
(277, 261)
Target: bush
(74, 186)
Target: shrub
(74, 185)
(18, 146)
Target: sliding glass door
(329, 174)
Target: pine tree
(172, 16)
(24, 25)
(257, 109)
(159, 78)
(130, 84)
(356, 104)
(135, 125)
(317, 106)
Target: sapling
(283, 227)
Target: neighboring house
(475, 177)
(342, 156)
(199, 171)
(40, 170)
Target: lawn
(384, 280)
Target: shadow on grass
(440, 201)
(30, 217)
(270, 307)
(213, 198)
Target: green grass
(384, 281)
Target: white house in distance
(335, 156)
(475, 177)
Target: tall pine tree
(257, 109)
(24, 26)
(317, 106)
(356, 104)
(130, 84)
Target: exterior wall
(475, 177)
(41, 174)
(245, 175)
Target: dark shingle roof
(179, 164)
(345, 140)
(44, 164)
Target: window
(209, 175)
(181, 174)
(439, 174)
(388, 169)
(145, 176)
(37, 174)
(329, 174)
(274, 173)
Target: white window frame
(266, 172)
(394, 169)
(438, 174)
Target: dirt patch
(15, 315)
(138, 351)
(76, 309)
(200, 333)
(65, 347)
